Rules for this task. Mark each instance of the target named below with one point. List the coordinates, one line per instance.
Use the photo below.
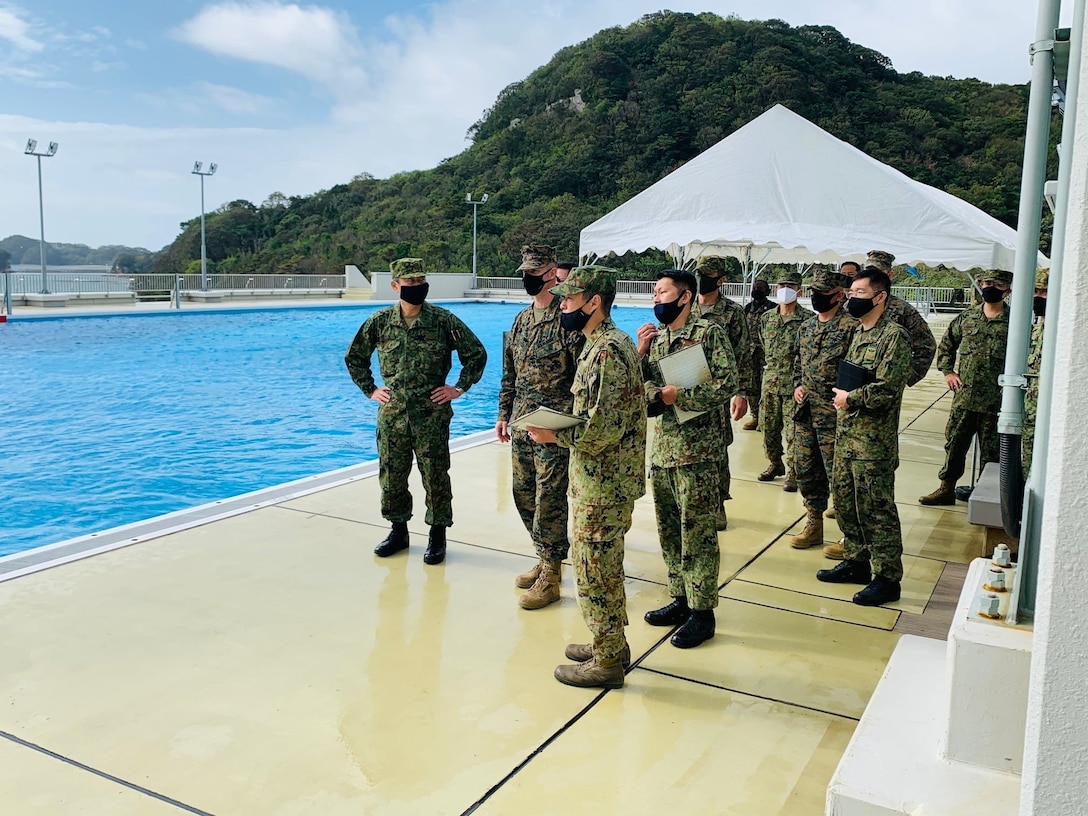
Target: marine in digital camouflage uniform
(539, 361)
(972, 356)
(779, 333)
(607, 473)
(867, 449)
(923, 345)
(414, 342)
(1035, 360)
(824, 341)
(686, 457)
(754, 310)
(716, 307)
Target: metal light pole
(475, 206)
(31, 150)
(203, 247)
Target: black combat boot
(676, 612)
(396, 541)
(846, 572)
(698, 628)
(436, 545)
(879, 591)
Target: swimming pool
(109, 420)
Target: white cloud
(234, 100)
(16, 31)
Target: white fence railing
(66, 283)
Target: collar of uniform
(688, 328)
(602, 327)
(423, 318)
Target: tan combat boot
(943, 495)
(830, 513)
(773, 471)
(581, 652)
(751, 425)
(592, 674)
(836, 551)
(546, 588)
(812, 534)
(527, 579)
(790, 485)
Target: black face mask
(414, 295)
(708, 284)
(991, 294)
(859, 307)
(822, 302)
(758, 294)
(574, 321)
(1038, 306)
(534, 284)
(668, 312)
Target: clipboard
(545, 418)
(685, 368)
(851, 376)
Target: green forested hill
(608, 117)
(23, 250)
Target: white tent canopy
(782, 190)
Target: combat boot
(879, 591)
(592, 673)
(581, 652)
(836, 551)
(829, 513)
(527, 579)
(697, 629)
(847, 572)
(751, 425)
(436, 545)
(545, 589)
(812, 534)
(773, 471)
(396, 541)
(670, 615)
(943, 495)
(790, 485)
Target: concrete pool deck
(259, 659)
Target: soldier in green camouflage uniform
(685, 456)
(867, 447)
(538, 369)
(779, 333)
(1035, 361)
(975, 345)
(414, 341)
(824, 341)
(715, 306)
(607, 472)
(754, 310)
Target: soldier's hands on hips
(840, 398)
(953, 381)
(799, 394)
(542, 436)
(380, 395)
(502, 431)
(646, 332)
(739, 408)
(444, 394)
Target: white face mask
(786, 295)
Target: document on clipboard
(851, 376)
(545, 418)
(685, 368)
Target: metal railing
(66, 283)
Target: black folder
(852, 376)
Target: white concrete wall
(1055, 779)
(444, 285)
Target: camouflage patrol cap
(534, 256)
(996, 275)
(1042, 279)
(825, 281)
(880, 259)
(407, 268)
(789, 276)
(711, 264)
(593, 280)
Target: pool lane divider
(75, 549)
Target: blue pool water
(111, 420)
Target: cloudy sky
(298, 97)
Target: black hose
(1012, 483)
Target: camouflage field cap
(880, 259)
(789, 276)
(534, 256)
(711, 265)
(593, 280)
(1042, 279)
(824, 281)
(996, 275)
(407, 268)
